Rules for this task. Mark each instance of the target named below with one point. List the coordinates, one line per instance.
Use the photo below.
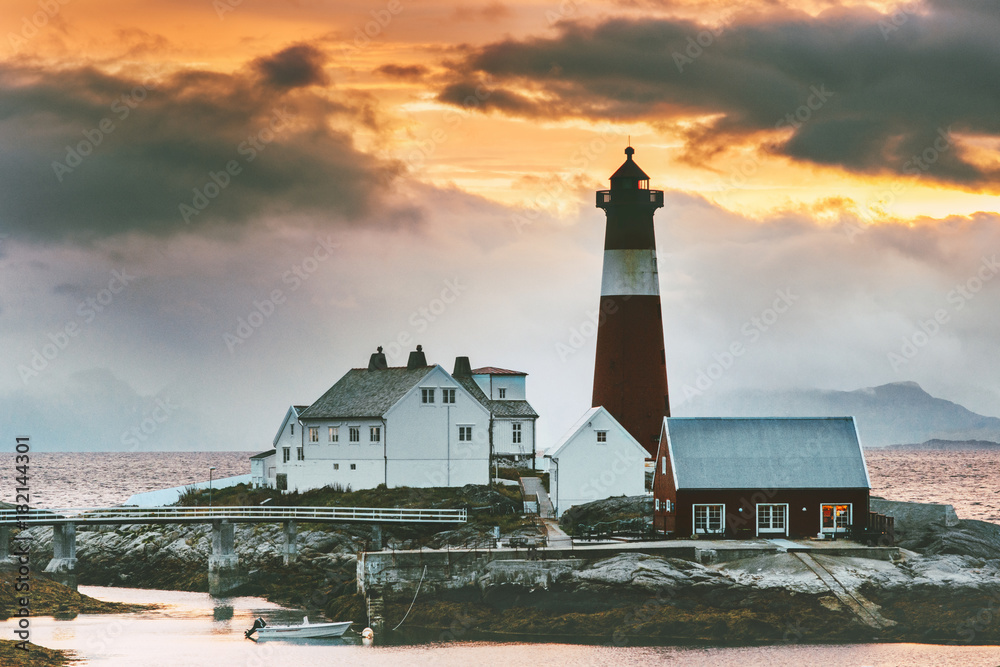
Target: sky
(212, 209)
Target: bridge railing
(97, 515)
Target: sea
(193, 629)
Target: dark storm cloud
(89, 155)
(882, 89)
(296, 66)
(403, 71)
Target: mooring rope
(414, 598)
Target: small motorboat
(305, 631)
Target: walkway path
(863, 608)
(532, 486)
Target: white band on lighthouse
(630, 272)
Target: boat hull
(312, 631)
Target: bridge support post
(62, 567)
(291, 530)
(377, 537)
(223, 564)
(4, 542)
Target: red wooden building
(772, 477)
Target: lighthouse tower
(630, 372)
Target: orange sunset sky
(167, 167)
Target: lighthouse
(630, 370)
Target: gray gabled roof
(773, 453)
(264, 454)
(503, 408)
(364, 393)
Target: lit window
(465, 434)
(301, 453)
(502, 393)
(313, 434)
(355, 434)
(836, 518)
(334, 434)
(515, 433)
(602, 436)
(427, 396)
(375, 434)
(286, 455)
(448, 396)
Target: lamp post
(210, 471)
(556, 461)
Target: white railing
(97, 515)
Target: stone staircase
(376, 609)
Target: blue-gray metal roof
(774, 453)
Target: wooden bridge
(223, 574)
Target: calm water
(194, 629)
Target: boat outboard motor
(257, 624)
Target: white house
(288, 451)
(503, 393)
(596, 459)
(260, 466)
(403, 426)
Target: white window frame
(447, 396)
(694, 519)
(835, 529)
(354, 435)
(771, 531)
(375, 435)
(300, 454)
(427, 395)
(313, 435)
(663, 465)
(602, 437)
(286, 454)
(333, 433)
(462, 431)
(515, 433)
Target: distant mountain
(901, 412)
(949, 445)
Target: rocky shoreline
(945, 588)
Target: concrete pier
(223, 564)
(4, 542)
(291, 531)
(62, 567)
